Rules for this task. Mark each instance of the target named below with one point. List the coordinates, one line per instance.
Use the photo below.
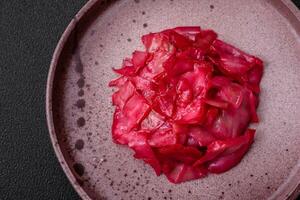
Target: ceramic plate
(79, 108)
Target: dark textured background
(29, 32)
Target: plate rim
(292, 193)
(49, 91)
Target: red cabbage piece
(184, 104)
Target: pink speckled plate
(79, 109)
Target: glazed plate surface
(79, 108)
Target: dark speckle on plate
(80, 122)
(80, 82)
(79, 144)
(80, 103)
(79, 169)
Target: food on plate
(185, 103)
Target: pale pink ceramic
(79, 109)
